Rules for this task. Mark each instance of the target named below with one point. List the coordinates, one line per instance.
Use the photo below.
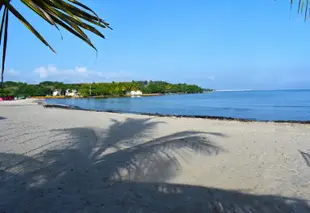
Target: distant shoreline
(106, 96)
(69, 107)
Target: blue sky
(220, 44)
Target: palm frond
(4, 32)
(2, 24)
(72, 15)
(28, 25)
(302, 7)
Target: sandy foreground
(56, 160)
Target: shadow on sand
(306, 157)
(119, 170)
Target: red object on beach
(8, 98)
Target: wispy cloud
(13, 73)
(78, 74)
(200, 77)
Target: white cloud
(12, 72)
(78, 74)
(199, 77)
(42, 71)
(212, 78)
(81, 69)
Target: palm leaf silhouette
(158, 159)
(150, 160)
(306, 157)
(72, 15)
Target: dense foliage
(46, 88)
(20, 89)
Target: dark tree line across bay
(46, 88)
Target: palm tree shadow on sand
(306, 157)
(118, 170)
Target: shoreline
(69, 107)
(114, 96)
(107, 96)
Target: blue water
(258, 105)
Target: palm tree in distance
(73, 16)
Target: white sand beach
(57, 160)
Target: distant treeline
(46, 88)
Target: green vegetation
(20, 89)
(113, 89)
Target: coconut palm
(303, 7)
(72, 15)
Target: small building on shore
(56, 92)
(71, 93)
(134, 93)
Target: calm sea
(258, 105)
